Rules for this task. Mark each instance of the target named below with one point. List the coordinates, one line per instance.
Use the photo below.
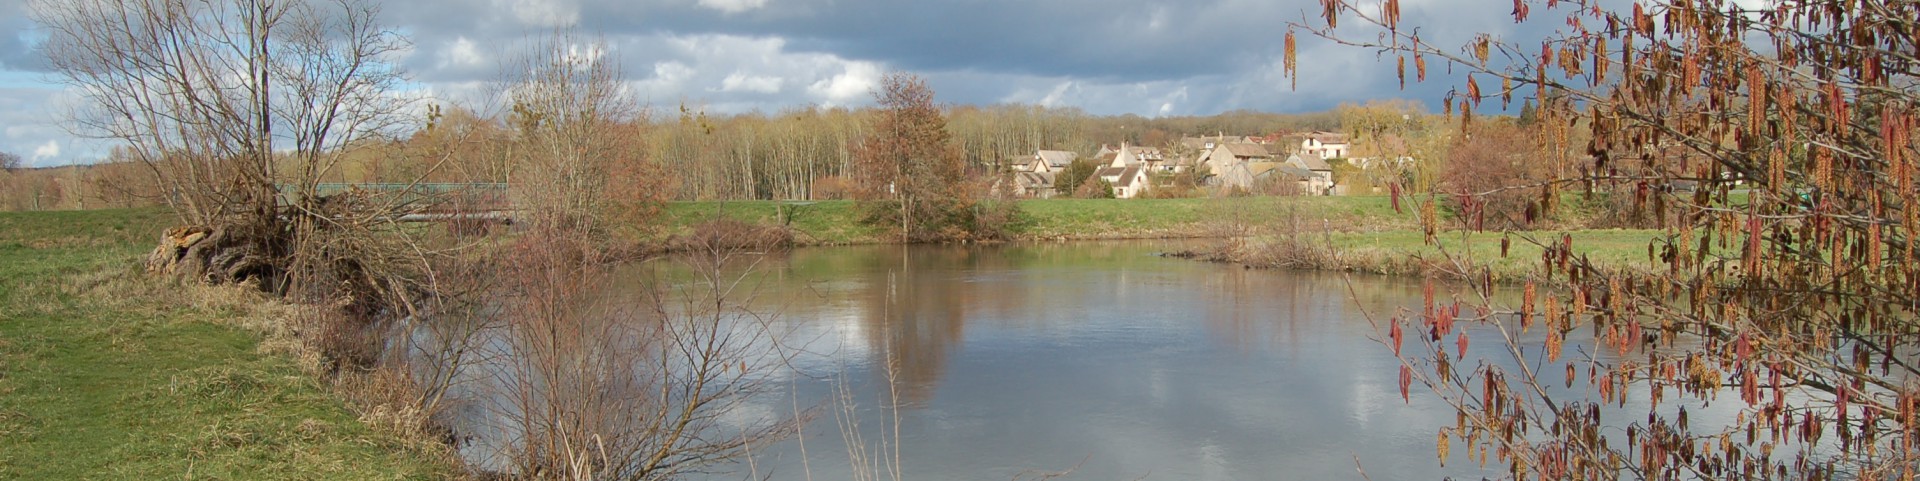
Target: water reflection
(1048, 356)
(1045, 356)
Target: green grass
(832, 222)
(1096, 218)
(107, 374)
(838, 222)
(1388, 251)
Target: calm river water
(1032, 358)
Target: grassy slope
(105, 374)
(1391, 251)
(1365, 230)
(820, 222)
(838, 222)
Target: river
(1012, 361)
(1099, 357)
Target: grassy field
(838, 222)
(106, 374)
(1388, 252)
(830, 222)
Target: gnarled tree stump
(211, 255)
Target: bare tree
(588, 381)
(9, 161)
(237, 106)
(571, 115)
(205, 92)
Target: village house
(1370, 163)
(1149, 158)
(1316, 176)
(1223, 156)
(1326, 145)
(1127, 182)
(1034, 185)
(1232, 161)
(1131, 183)
(1208, 143)
(1051, 160)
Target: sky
(1145, 57)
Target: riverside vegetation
(110, 372)
(106, 372)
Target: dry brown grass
(729, 235)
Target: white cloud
(669, 75)
(1171, 101)
(542, 13)
(1059, 94)
(856, 81)
(733, 6)
(740, 82)
(463, 53)
(46, 151)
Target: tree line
(797, 153)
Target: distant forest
(798, 153)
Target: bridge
(438, 201)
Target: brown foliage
(909, 173)
(1794, 300)
(599, 382)
(831, 187)
(577, 140)
(1493, 173)
(909, 154)
(730, 235)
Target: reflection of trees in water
(915, 313)
(914, 302)
(918, 299)
(1237, 306)
(1241, 305)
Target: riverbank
(1455, 254)
(106, 373)
(837, 222)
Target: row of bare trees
(90, 186)
(808, 153)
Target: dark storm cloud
(16, 53)
(1118, 41)
(1144, 57)
(1223, 54)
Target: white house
(1127, 182)
(1132, 183)
(1327, 145)
(1134, 155)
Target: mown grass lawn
(106, 374)
(840, 222)
(1616, 248)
